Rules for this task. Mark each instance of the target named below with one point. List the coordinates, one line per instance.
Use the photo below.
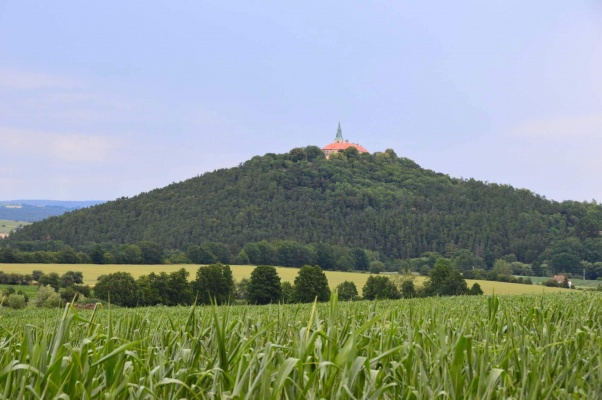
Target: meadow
(91, 273)
(7, 226)
(473, 347)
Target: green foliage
(356, 350)
(408, 291)
(16, 301)
(71, 278)
(52, 279)
(445, 280)
(380, 287)
(214, 283)
(167, 289)
(118, 288)
(288, 292)
(347, 291)
(376, 267)
(476, 290)
(311, 283)
(241, 289)
(47, 297)
(264, 286)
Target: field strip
(93, 271)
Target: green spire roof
(339, 137)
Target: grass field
(579, 283)
(29, 290)
(469, 347)
(93, 271)
(7, 226)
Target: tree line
(571, 256)
(214, 284)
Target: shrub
(16, 301)
(47, 297)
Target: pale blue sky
(115, 98)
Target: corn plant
(529, 347)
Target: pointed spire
(339, 137)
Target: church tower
(341, 144)
(339, 137)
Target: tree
(242, 258)
(347, 291)
(152, 253)
(97, 254)
(325, 256)
(71, 278)
(476, 290)
(376, 267)
(313, 152)
(129, 254)
(52, 279)
(119, 288)
(380, 287)
(288, 292)
(311, 282)
(360, 258)
(68, 256)
(445, 281)
(297, 154)
(464, 260)
(265, 286)
(345, 263)
(200, 254)
(36, 274)
(214, 282)
(408, 290)
(179, 290)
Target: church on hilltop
(340, 144)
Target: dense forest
(379, 202)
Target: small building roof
(337, 146)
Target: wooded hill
(379, 201)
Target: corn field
(525, 347)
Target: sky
(100, 100)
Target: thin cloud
(65, 147)
(564, 127)
(14, 79)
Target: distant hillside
(375, 201)
(37, 210)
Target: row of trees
(214, 284)
(566, 256)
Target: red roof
(335, 146)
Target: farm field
(579, 283)
(528, 346)
(6, 226)
(93, 271)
